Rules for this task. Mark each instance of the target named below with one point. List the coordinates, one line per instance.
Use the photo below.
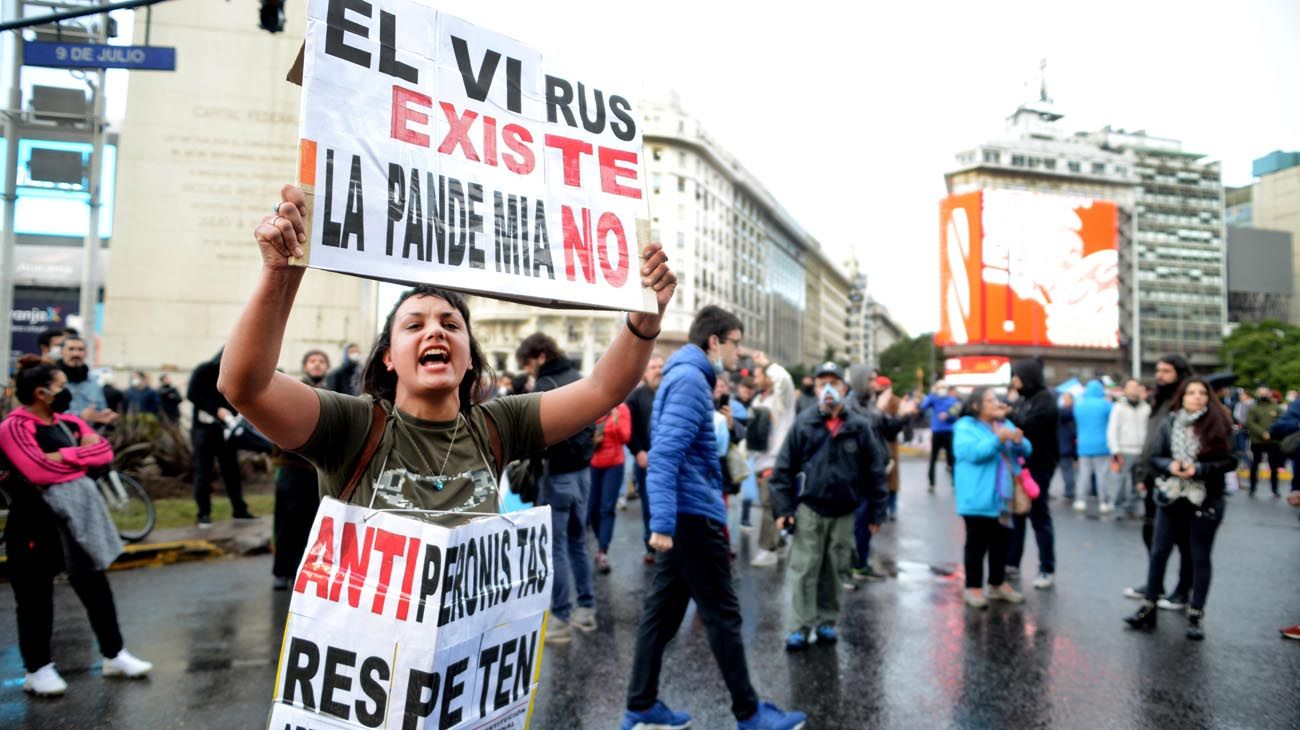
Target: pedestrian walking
(1171, 371)
(1092, 415)
(1126, 434)
(612, 432)
(776, 407)
(1259, 420)
(687, 519)
(57, 522)
(1035, 414)
(1192, 454)
(988, 459)
(212, 414)
(566, 489)
(1067, 439)
(944, 408)
(839, 458)
(640, 406)
(297, 493)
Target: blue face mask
(831, 396)
(718, 367)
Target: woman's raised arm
(283, 408)
(567, 410)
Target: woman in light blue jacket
(988, 454)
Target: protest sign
(398, 623)
(436, 151)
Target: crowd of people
(421, 424)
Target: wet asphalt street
(910, 655)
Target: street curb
(145, 555)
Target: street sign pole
(8, 243)
(90, 254)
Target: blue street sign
(87, 55)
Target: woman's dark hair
(33, 373)
(974, 403)
(381, 383)
(1214, 429)
(536, 345)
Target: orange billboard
(1024, 268)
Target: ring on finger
(273, 220)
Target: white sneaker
(622, 503)
(1106, 508)
(127, 665)
(45, 682)
(583, 619)
(764, 559)
(1080, 505)
(558, 632)
(1044, 581)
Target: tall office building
(1180, 242)
(1276, 206)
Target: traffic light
(272, 19)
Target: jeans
(1192, 529)
(566, 494)
(606, 486)
(1098, 468)
(209, 444)
(1067, 467)
(1127, 498)
(1257, 452)
(640, 473)
(697, 568)
(941, 440)
(985, 536)
(1044, 535)
(1150, 513)
(296, 500)
(819, 560)
(34, 599)
(861, 533)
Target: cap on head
(883, 381)
(828, 369)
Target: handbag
(1028, 481)
(1020, 501)
(737, 468)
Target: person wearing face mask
(296, 491)
(57, 523)
(169, 399)
(140, 398)
(346, 377)
(837, 454)
(51, 343)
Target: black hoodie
(1037, 415)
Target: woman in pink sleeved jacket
(57, 522)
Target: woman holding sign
(417, 438)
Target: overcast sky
(850, 113)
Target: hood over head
(1094, 389)
(859, 378)
(1030, 372)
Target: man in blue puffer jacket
(687, 521)
(1092, 416)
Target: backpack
(758, 432)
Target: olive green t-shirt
(407, 470)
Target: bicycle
(129, 507)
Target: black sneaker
(204, 522)
(244, 517)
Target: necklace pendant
(437, 485)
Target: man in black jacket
(641, 404)
(841, 462)
(566, 489)
(1171, 371)
(346, 378)
(212, 412)
(1036, 414)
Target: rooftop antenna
(1042, 81)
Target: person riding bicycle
(58, 522)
